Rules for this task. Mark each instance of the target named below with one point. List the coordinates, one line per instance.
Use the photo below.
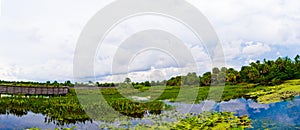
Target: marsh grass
(273, 94)
(178, 121)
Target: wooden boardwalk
(33, 90)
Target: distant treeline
(266, 72)
(36, 84)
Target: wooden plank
(3, 89)
(25, 90)
(55, 90)
(17, 90)
(44, 91)
(60, 91)
(31, 91)
(50, 91)
(10, 90)
(34, 90)
(38, 91)
(66, 90)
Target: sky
(38, 38)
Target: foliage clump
(273, 94)
(205, 120)
(214, 120)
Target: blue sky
(38, 38)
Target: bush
(276, 81)
(139, 86)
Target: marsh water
(280, 115)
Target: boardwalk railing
(33, 90)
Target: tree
(174, 81)
(215, 70)
(153, 83)
(147, 84)
(224, 69)
(127, 80)
(297, 67)
(112, 85)
(98, 84)
(68, 83)
(48, 83)
(297, 59)
(253, 74)
(232, 76)
(244, 73)
(221, 77)
(205, 80)
(191, 79)
(55, 84)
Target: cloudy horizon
(38, 38)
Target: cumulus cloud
(38, 38)
(142, 61)
(271, 21)
(255, 49)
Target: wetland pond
(280, 115)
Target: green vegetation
(35, 84)
(73, 128)
(268, 72)
(205, 120)
(114, 105)
(214, 121)
(263, 94)
(60, 109)
(68, 110)
(272, 94)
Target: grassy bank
(273, 94)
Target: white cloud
(38, 38)
(269, 21)
(250, 61)
(153, 74)
(255, 49)
(232, 49)
(278, 54)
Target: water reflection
(281, 115)
(60, 112)
(31, 119)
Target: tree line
(266, 72)
(37, 84)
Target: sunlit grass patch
(273, 94)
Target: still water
(281, 115)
